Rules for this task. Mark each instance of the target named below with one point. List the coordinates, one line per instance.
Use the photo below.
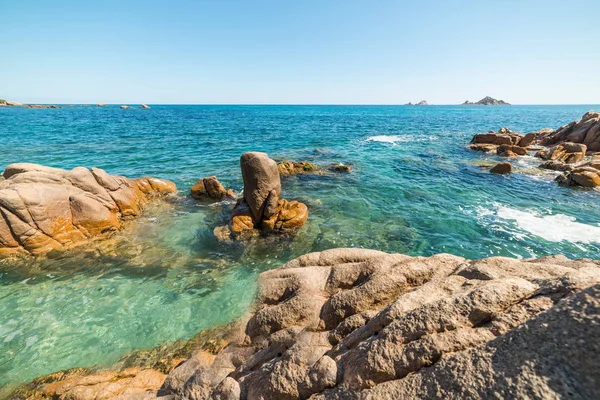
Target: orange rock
(502, 168)
(209, 188)
(43, 208)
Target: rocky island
(487, 101)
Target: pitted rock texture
(44, 208)
(354, 323)
(130, 384)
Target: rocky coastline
(573, 149)
(363, 324)
(344, 323)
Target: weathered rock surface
(5, 103)
(44, 208)
(586, 131)
(511, 151)
(130, 384)
(354, 324)
(261, 210)
(587, 175)
(569, 153)
(145, 106)
(502, 168)
(262, 185)
(210, 189)
(503, 137)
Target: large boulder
(262, 185)
(44, 208)
(358, 324)
(586, 176)
(511, 151)
(569, 153)
(586, 131)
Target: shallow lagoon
(414, 189)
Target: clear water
(414, 189)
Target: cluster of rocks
(421, 103)
(362, 324)
(287, 168)
(573, 149)
(44, 208)
(5, 103)
(487, 101)
(261, 210)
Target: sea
(414, 189)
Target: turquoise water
(414, 189)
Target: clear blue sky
(284, 51)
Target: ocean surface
(413, 189)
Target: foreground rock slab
(44, 208)
(362, 324)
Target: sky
(299, 51)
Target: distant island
(421, 103)
(487, 101)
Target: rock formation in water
(145, 106)
(125, 107)
(297, 167)
(6, 103)
(44, 208)
(362, 324)
(210, 189)
(287, 168)
(261, 210)
(488, 101)
(567, 148)
(41, 106)
(502, 168)
(422, 103)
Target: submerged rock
(502, 168)
(355, 323)
(211, 189)
(296, 167)
(344, 168)
(44, 208)
(125, 107)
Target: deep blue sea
(413, 189)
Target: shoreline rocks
(355, 323)
(564, 149)
(44, 208)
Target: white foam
(393, 139)
(388, 139)
(554, 228)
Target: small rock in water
(502, 168)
